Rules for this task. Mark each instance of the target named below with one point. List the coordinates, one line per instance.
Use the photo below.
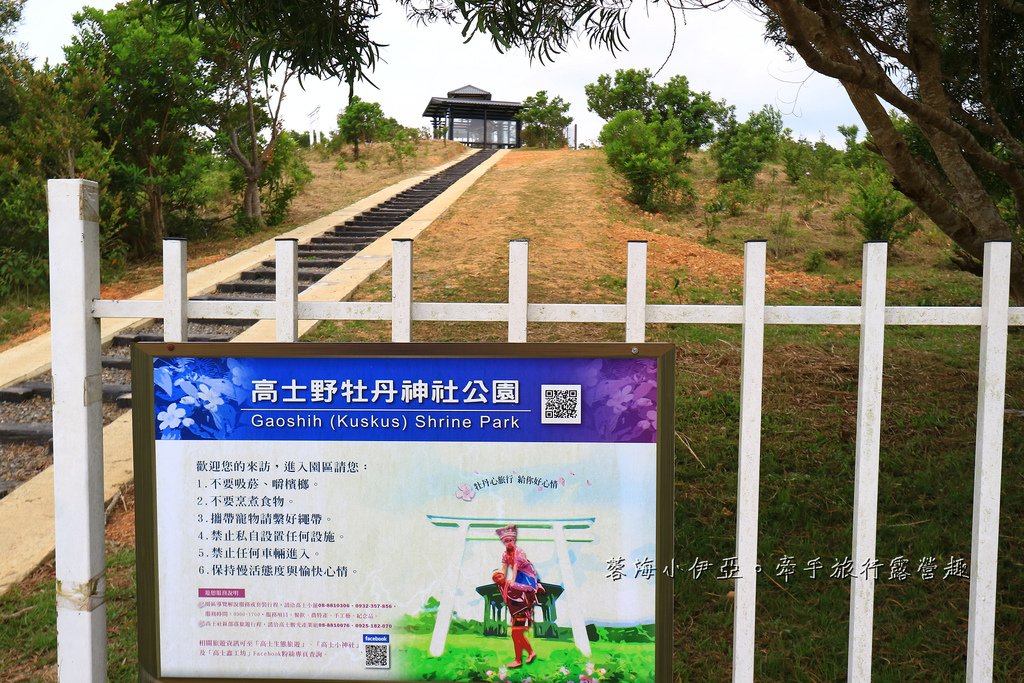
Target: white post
(77, 431)
(175, 290)
(286, 296)
(636, 292)
(570, 593)
(988, 461)
(518, 274)
(401, 290)
(447, 603)
(869, 428)
(751, 380)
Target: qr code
(378, 655)
(560, 404)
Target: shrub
(796, 158)
(880, 210)
(21, 272)
(814, 261)
(742, 148)
(652, 159)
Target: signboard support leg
(444, 610)
(571, 596)
(78, 431)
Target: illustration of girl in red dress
(519, 591)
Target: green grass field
(479, 658)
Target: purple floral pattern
(620, 398)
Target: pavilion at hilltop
(469, 115)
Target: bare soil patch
(577, 225)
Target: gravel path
(20, 462)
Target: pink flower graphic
(465, 493)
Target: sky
(720, 52)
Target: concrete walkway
(27, 513)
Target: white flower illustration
(211, 397)
(171, 418)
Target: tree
(362, 121)
(628, 89)
(155, 89)
(245, 105)
(698, 114)
(320, 38)
(545, 120)
(651, 156)
(742, 148)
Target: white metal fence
(77, 419)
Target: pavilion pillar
(519, 133)
(444, 610)
(451, 125)
(573, 605)
(486, 143)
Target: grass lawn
(479, 658)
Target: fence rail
(76, 309)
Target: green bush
(880, 210)
(651, 156)
(742, 148)
(21, 272)
(797, 159)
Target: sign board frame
(151, 512)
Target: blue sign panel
(582, 400)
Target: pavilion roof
(472, 108)
(470, 91)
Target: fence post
(749, 477)
(175, 290)
(518, 274)
(77, 430)
(636, 291)
(286, 285)
(988, 460)
(865, 488)
(401, 290)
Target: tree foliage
(143, 109)
(651, 156)
(362, 121)
(742, 148)
(698, 114)
(545, 120)
(320, 38)
(155, 89)
(881, 211)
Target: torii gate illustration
(561, 532)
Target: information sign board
(404, 512)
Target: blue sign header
(610, 400)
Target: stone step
(305, 275)
(341, 239)
(26, 432)
(321, 249)
(127, 339)
(327, 264)
(239, 287)
(119, 362)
